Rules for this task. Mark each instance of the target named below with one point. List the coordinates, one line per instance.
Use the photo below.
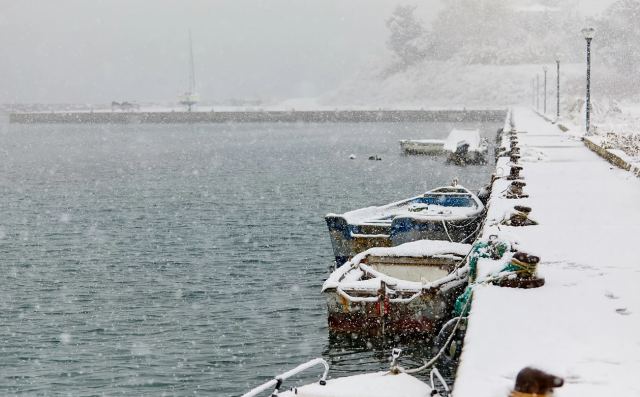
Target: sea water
(188, 259)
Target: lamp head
(588, 33)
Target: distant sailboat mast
(192, 73)
(190, 98)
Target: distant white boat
(461, 146)
(422, 146)
(466, 147)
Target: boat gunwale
(456, 272)
(472, 213)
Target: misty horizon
(74, 51)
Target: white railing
(277, 381)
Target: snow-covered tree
(406, 39)
(495, 32)
(617, 43)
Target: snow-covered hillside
(486, 53)
(453, 84)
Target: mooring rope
(466, 305)
(444, 224)
(455, 327)
(474, 232)
(442, 350)
(523, 267)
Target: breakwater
(581, 231)
(287, 116)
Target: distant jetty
(255, 116)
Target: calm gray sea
(187, 260)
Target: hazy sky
(96, 51)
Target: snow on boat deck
(583, 324)
(378, 384)
(471, 137)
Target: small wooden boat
(466, 147)
(422, 146)
(450, 213)
(406, 289)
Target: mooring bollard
(532, 382)
(514, 173)
(519, 217)
(515, 190)
(524, 267)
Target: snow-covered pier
(253, 116)
(583, 324)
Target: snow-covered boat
(450, 213)
(405, 289)
(393, 383)
(422, 146)
(466, 147)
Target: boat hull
(407, 229)
(349, 240)
(450, 213)
(424, 314)
(426, 147)
(471, 157)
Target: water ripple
(142, 260)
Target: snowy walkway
(584, 324)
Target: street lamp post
(588, 34)
(557, 88)
(537, 92)
(544, 68)
(533, 92)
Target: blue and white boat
(450, 213)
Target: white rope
(440, 378)
(455, 327)
(474, 232)
(467, 224)
(464, 260)
(464, 309)
(442, 350)
(446, 230)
